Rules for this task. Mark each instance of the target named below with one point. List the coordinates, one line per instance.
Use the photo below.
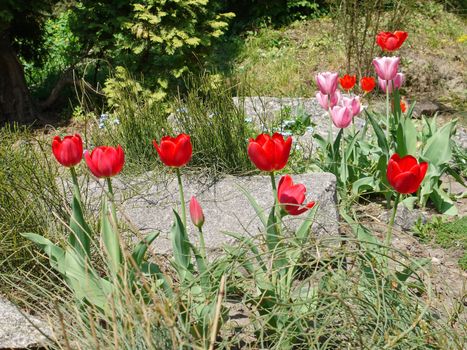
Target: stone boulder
(149, 208)
(19, 330)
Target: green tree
(21, 25)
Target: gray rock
(225, 207)
(426, 108)
(19, 330)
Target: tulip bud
(324, 99)
(196, 213)
(386, 67)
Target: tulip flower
(341, 116)
(386, 67)
(367, 84)
(291, 197)
(269, 153)
(352, 103)
(105, 161)
(391, 41)
(174, 151)
(396, 83)
(405, 174)
(196, 213)
(324, 99)
(348, 81)
(327, 82)
(68, 151)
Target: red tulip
(196, 213)
(269, 153)
(348, 81)
(174, 151)
(368, 84)
(105, 161)
(391, 41)
(291, 197)
(68, 151)
(405, 174)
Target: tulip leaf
(141, 248)
(254, 249)
(80, 231)
(202, 268)
(55, 253)
(380, 137)
(180, 244)
(84, 282)
(363, 184)
(272, 236)
(408, 271)
(111, 240)
(304, 230)
(438, 147)
(258, 210)
(350, 146)
(337, 143)
(152, 269)
(406, 138)
(442, 202)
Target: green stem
(391, 222)
(344, 162)
(388, 129)
(182, 197)
(202, 244)
(112, 202)
(330, 123)
(76, 190)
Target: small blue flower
(182, 110)
(309, 128)
(248, 119)
(116, 121)
(101, 125)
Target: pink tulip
(324, 99)
(396, 83)
(196, 213)
(327, 82)
(341, 116)
(353, 103)
(386, 67)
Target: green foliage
(25, 171)
(160, 39)
(216, 125)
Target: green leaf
(381, 138)
(442, 202)
(406, 138)
(438, 147)
(141, 248)
(303, 232)
(55, 253)
(150, 268)
(258, 210)
(272, 236)
(180, 244)
(363, 184)
(80, 232)
(111, 240)
(408, 271)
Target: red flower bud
(174, 151)
(68, 151)
(196, 213)
(291, 197)
(105, 161)
(348, 81)
(269, 153)
(368, 84)
(391, 41)
(405, 174)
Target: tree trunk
(15, 100)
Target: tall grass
(31, 198)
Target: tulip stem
(182, 197)
(112, 203)
(202, 243)
(276, 202)
(388, 129)
(391, 222)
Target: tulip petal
(406, 163)
(258, 157)
(406, 182)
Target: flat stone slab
(225, 206)
(18, 330)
